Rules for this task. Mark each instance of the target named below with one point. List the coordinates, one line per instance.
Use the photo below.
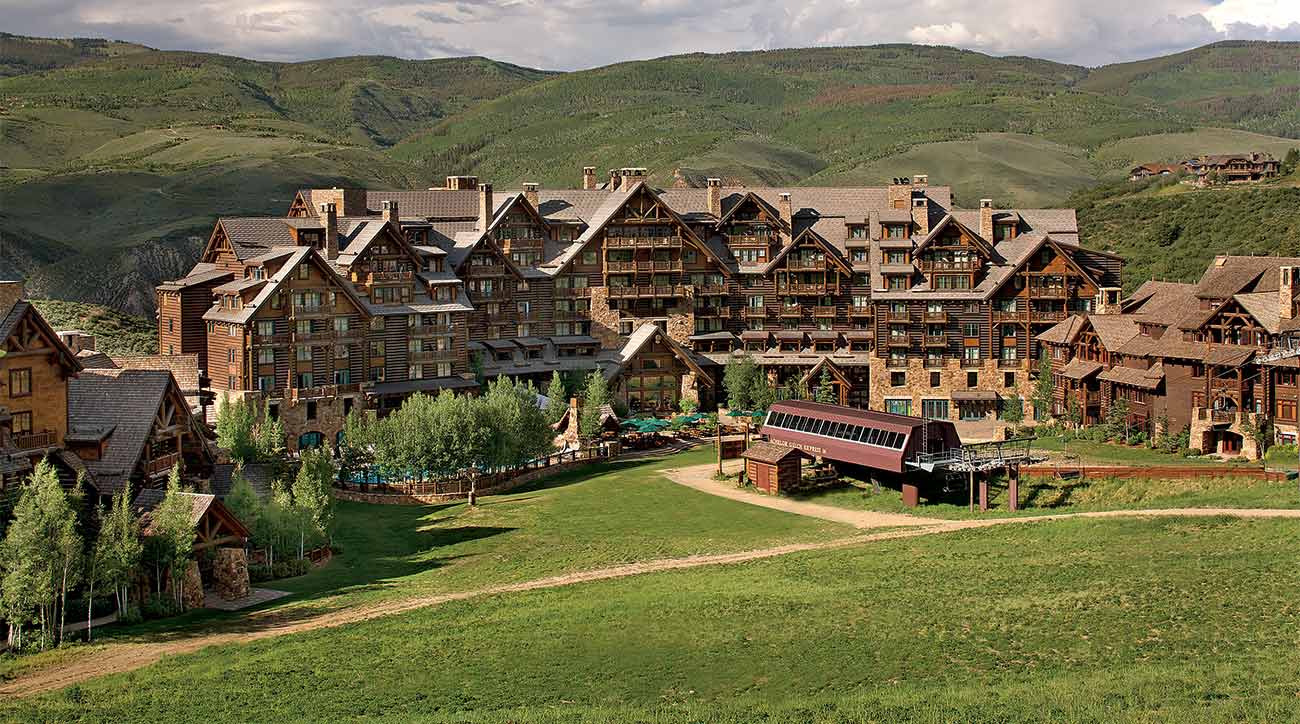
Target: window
(935, 379)
(341, 324)
(934, 409)
(265, 328)
(171, 324)
(971, 329)
(22, 423)
(444, 369)
(265, 355)
(898, 407)
(897, 378)
(20, 382)
(897, 282)
(266, 383)
(230, 356)
(303, 380)
(589, 258)
(311, 409)
(896, 257)
(895, 231)
(304, 272)
(304, 354)
(342, 377)
(1008, 379)
(232, 330)
(376, 348)
(230, 383)
(972, 379)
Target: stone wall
(604, 321)
(952, 377)
(230, 573)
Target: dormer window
(1004, 231)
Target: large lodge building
(359, 298)
(910, 305)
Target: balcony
(860, 311)
(710, 290)
(304, 311)
(968, 363)
(970, 265)
(274, 338)
(811, 265)
(572, 291)
(933, 363)
(1049, 316)
(615, 267)
(808, 289)
(428, 330)
(891, 315)
(824, 311)
(392, 275)
(528, 315)
(899, 340)
(791, 310)
(931, 316)
(431, 355)
(1010, 363)
(643, 242)
(713, 311)
(487, 270)
(569, 315)
(750, 240)
(755, 312)
(1004, 315)
(161, 465)
(1048, 292)
(35, 440)
(936, 340)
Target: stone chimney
(329, 216)
(588, 178)
(715, 196)
(786, 209)
(530, 193)
(632, 175)
(920, 214)
(77, 340)
(899, 193)
(614, 179)
(485, 206)
(1286, 292)
(986, 219)
(462, 183)
(11, 292)
(920, 180)
(390, 212)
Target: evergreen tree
(825, 390)
(595, 394)
(761, 394)
(557, 399)
(1013, 410)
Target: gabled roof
(1148, 379)
(184, 368)
(649, 331)
(770, 452)
(751, 196)
(201, 504)
(806, 234)
(1161, 303)
(815, 372)
(125, 400)
(300, 255)
(23, 311)
(985, 246)
(1113, 329)
(1079, 369)
(1064, 331)
(1228, 275)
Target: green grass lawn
(1048, 495)
(1124, 620)
(1104, 453)
(583, 519)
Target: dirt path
(700, 477)
(122, 657)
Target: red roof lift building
(908, 447)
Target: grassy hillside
(154, 145)
(1171, 232)
(115, 333)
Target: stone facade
(230, 573)
(192, 591)
(1207, 437)
(604, 321)
(952, 378)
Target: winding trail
(122, 657)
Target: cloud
(569, 34)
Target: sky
(576, 34)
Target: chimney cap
(389, 204)
(531, 186)
(785, 195)
(713, 181)
(485, 187)
(589, 169)
(328, 207)
(920, 201)
(986, 203)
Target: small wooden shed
(773, 468)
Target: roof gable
(807, 235)
(24, 329)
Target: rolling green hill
(150, 146)
(116, 334)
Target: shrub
(259, 573)
(159, 606)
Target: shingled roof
(126, 400)
(184, 368)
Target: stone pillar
(192, 592)
(230, 573)
(690, 390)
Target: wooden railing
(805, 288)
(710, 289)
(35, 440)
(860, 311)
(823, 311)
(572, 291)
(391, 275)
(161, 465)
(643, 242)
(936, 340)
(755, 312)
(791, 310)
(432, 355)
(426, 330)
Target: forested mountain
(115, 158)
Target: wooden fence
(1153, 472)
(422, 492)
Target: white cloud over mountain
(568, 34)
